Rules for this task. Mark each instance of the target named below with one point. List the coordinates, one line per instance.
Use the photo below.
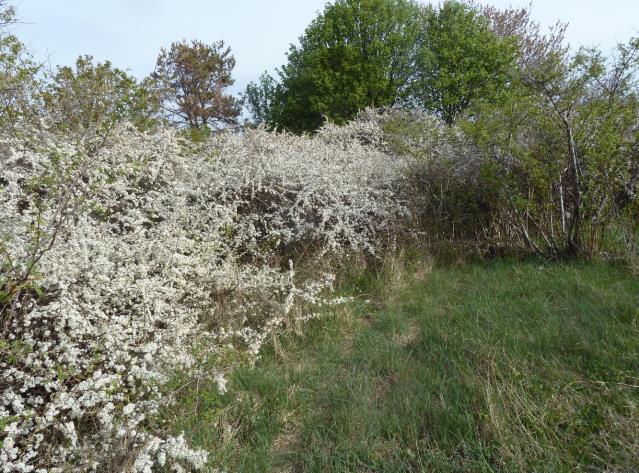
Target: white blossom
(163, 246)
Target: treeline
(550, 135)
(522, 144)
(381, 53)
(355, 54)
(188, 88)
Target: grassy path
(504, 366)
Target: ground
(480, 367)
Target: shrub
(119, 264)
(446, 189)
(562, 151)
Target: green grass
(501, 366)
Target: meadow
(478, 367)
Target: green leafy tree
(260, 100)
(18, 75)
(355, 54)
(93, 97)
(191, 80)
(461, 60)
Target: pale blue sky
(131, 32)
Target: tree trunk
(573, 241)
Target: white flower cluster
(116, 263)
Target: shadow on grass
(507, 365)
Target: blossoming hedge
(119, 260)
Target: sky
(130, 33)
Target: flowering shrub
(446, 170)
(117, 263)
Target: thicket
(130, 248)
(522, 144)
(118, 265)
(525, 145)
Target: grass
(500, 366)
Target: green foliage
(356, 54)
(18, 75)
(94, 97)
(197, 135)
(380, 53)
(260, 100)
(562, 150)
(191, 81)
(503, 366)
(14, 351)
(461, 60)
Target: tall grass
(500, 366)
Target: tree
(93, 97)
(191, 80)
(260, 100)
(356, 54)
(461, 60)
(18, 74)
(7, 14)
(535, 50)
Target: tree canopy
(461, 60)
(357, 53)
(259, 99)
(96, 96)
(18, 72)
(191, 80)
(380, 53)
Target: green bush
(562, 152)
